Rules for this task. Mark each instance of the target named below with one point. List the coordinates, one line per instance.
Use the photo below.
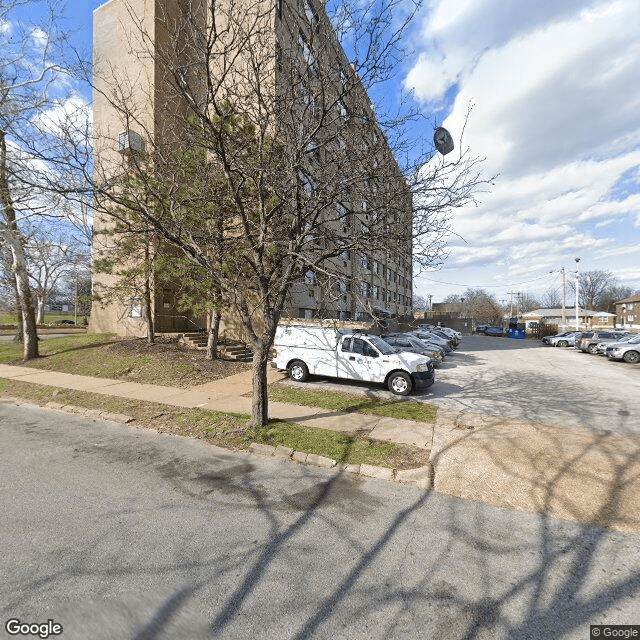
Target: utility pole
(511, 294)
(577, 294)
(564, 298)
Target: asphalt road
(118, 533)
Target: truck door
(358, 360)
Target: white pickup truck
(307, 350)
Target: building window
(344, 255)
(307, 54)
(135, 308)
(307, 97)
(310, 12)
(342, 110)
(364, 228)
(313, 151)
(308, 186)
(343, 214)
(364, 261)
(306, 313)
(376, 291)
(310, 276)
(364, 289)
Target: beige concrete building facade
(373, 282)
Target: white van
(340, 353)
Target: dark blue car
(494, 331)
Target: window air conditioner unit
(130, 142)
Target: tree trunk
(151, 331)
(19, 335)
(260, 405)
(12, 237)
(40, 316)
(212, 338)
(19, 268)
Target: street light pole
(577, 294)
(564, 299)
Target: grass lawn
(228, 429)
(133, 360)
(9, 319)
(71, 354)
(334, 401)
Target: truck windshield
(384, 348)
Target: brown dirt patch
(174, 364)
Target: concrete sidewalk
(229, 395)
(589, 476)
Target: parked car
(431, 345)
(481, 328)
(432, 337)
(451, 332)
(451, 339)
(566, 339)
(602, 346)
(589, 339)
(414, 345)
(311, 350)
(628, 351)
(494, 331)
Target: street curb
(94, 414)
(420, 477)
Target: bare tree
(614, 293)
(481, 306)
(551, 299)
(30, 76)
(528, 302)
(593, 285)
(304, 166)
(51, 256)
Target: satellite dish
(443, 140)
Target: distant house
(628, 313)
(587, 319)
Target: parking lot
(525, 380)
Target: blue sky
(556, 94)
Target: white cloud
(70, 116)
(39, 37)
(556, 94)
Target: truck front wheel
(400, 383)
(298, 371)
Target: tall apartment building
(288, 68)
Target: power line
(487, 286)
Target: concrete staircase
(231, 350)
